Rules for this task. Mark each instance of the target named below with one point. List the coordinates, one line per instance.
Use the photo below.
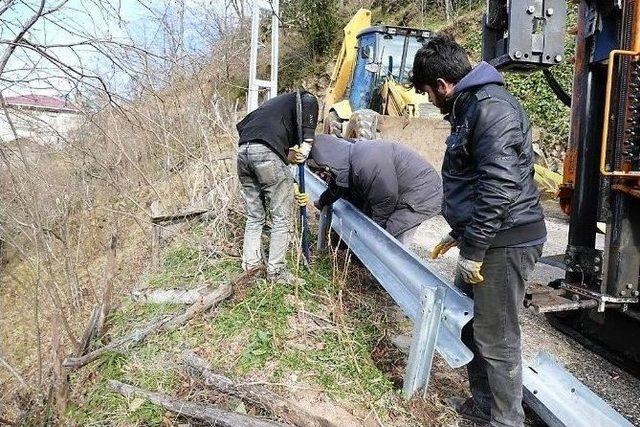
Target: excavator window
(399, 51)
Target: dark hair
(440, 58)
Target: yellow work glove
(445, 244)
(469, 270)
(299, 153)
(302, 199)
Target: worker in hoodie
(269, 142)
(493, 207)
(388, 182)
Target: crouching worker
(390, 183)
(269, 141)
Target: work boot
(468, 410)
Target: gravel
(617, 387)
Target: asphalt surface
(617, 387)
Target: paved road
(617, 387)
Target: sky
(120, 21)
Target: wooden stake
(255, 395)
(208, 413)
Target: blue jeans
(495, 373)
(267, 187)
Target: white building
(45, 120)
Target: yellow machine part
(342, 109)
(550, 181)
(400, 101)
(346, 60)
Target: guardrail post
(324, 227)
(423, 342)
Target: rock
(402, 342)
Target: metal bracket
(583, 260)
(530, 38)
(602, 299)
(423, 342)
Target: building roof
(40, 101)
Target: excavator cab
(369, 80)
(368, 96)
(384, 53)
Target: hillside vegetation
(78, 236)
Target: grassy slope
(325, 338)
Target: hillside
(549, 116)
(82, 247)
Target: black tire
(363, 124)
(334, 124)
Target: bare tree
(154, 124)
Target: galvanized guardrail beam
(561, 400)
(411, 283)
(439, 311)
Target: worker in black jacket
(388, 182)
(269, 141)
(492, 205)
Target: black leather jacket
(490, 197)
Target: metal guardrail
(438, 310)
(561, 400)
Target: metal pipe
(584, 144)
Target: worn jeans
(495, 373)
(267, 186)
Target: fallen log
(276, 405)
(199, 411)
(157, 218)
(167, 296)
(166, 324)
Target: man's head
(330, 156)
(437, 67)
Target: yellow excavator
(369, 95)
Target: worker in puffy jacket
(388, 182)
(269, 141)
(493, 207)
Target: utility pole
(255, 84)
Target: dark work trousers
(495, 373)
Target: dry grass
(60, 209)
